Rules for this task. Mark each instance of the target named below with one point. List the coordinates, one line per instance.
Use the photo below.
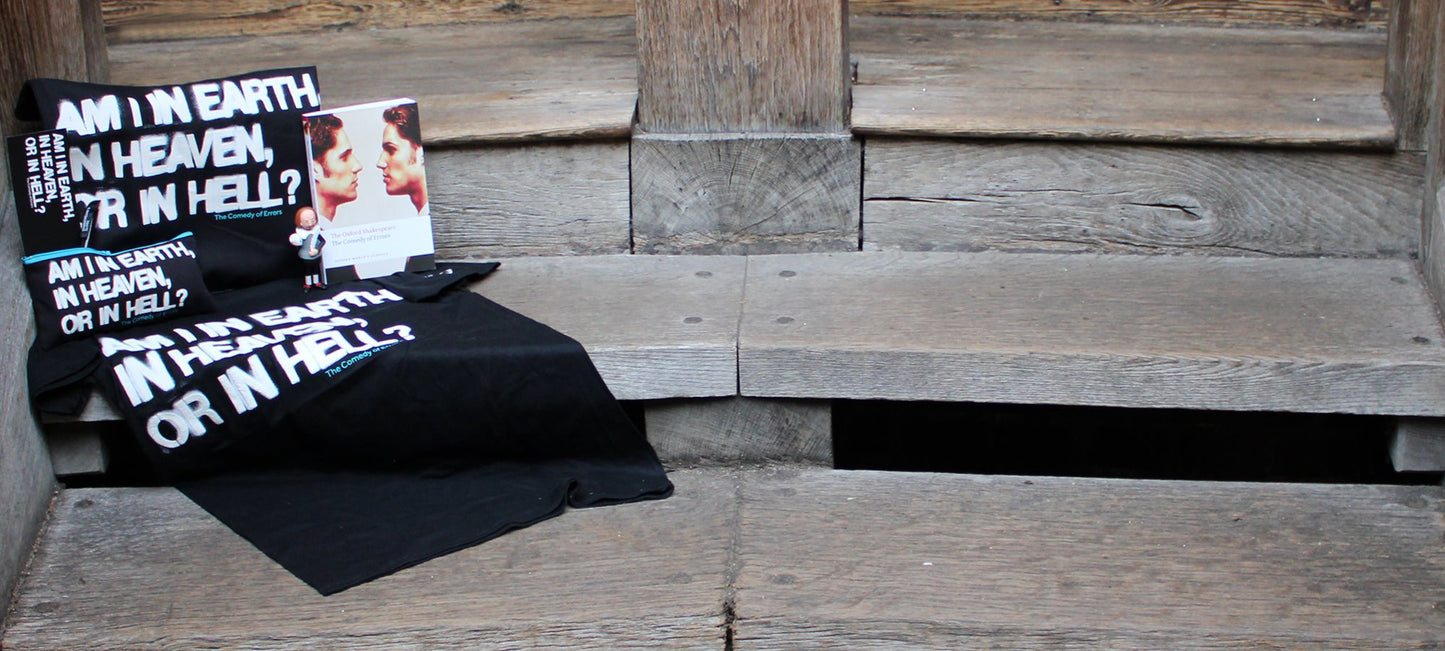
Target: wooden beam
(1352, 14)
(1432, 214)
(1418, 445)
(26, 477)
(147, 20)
(745, 193)
(741, 118)
(857, 559)
(1187, 331)
(1410, 68)
(742, 65)
(531, 199)
(115, 564)
(54, 38)
(1137, 83)
(477, 83)
(655, 326)
(48, 38)
(76, 450)
(741, 430)
(941, 195)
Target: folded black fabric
(369, 427)
(338, 529)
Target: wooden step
(862, 559)
(143, 20)
(1199, 332)
(1370, 14)
(577, 78)
(475, 83)
(655, 326)
(495, 98)
(786, 557)
(1071, 197)
(1196, 332)
(1138, 83)
(146, 567)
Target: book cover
(40, 179)
(368, 185)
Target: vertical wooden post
(37, 38)
(48, 38)
(718, 66)
(1413, 41)
(1425, 78)
(1415, 91)
(742, 143)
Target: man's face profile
(400, 163)
(337, 172)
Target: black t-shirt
(355, 431)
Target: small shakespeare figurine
(308, 242)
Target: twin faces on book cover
(368, 180)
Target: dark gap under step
(128, 466)
(1001, 439)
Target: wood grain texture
(851, 559)
(1418, 445)
(1432, 215)
(1409, 71)
(655, 326)
(26, 477)
(1120, 82)
(147, 568)
(1198, 332)
(495, 82)
(740, 65)
(76, 451)
(48, 38)
(741, 430)
(149, 20)
(550, 199)
(137, 20)
(1355, 14)
(745, 193)
(968, 196)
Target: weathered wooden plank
(655, 326)
(741, 430)
(474, 83)
(26, 478)
(750, 193)
(150, 20)
(1200, 332)
(134, 568)
(1120, 82)
(38, 38)
(76, 450)
(551, 199)
(833, 559)
(48, 38)
(707, 66)
(1418, 445)
(1220, 13)
(1410, 68)
(134, 20)
(967, 196)
(1432, 215)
